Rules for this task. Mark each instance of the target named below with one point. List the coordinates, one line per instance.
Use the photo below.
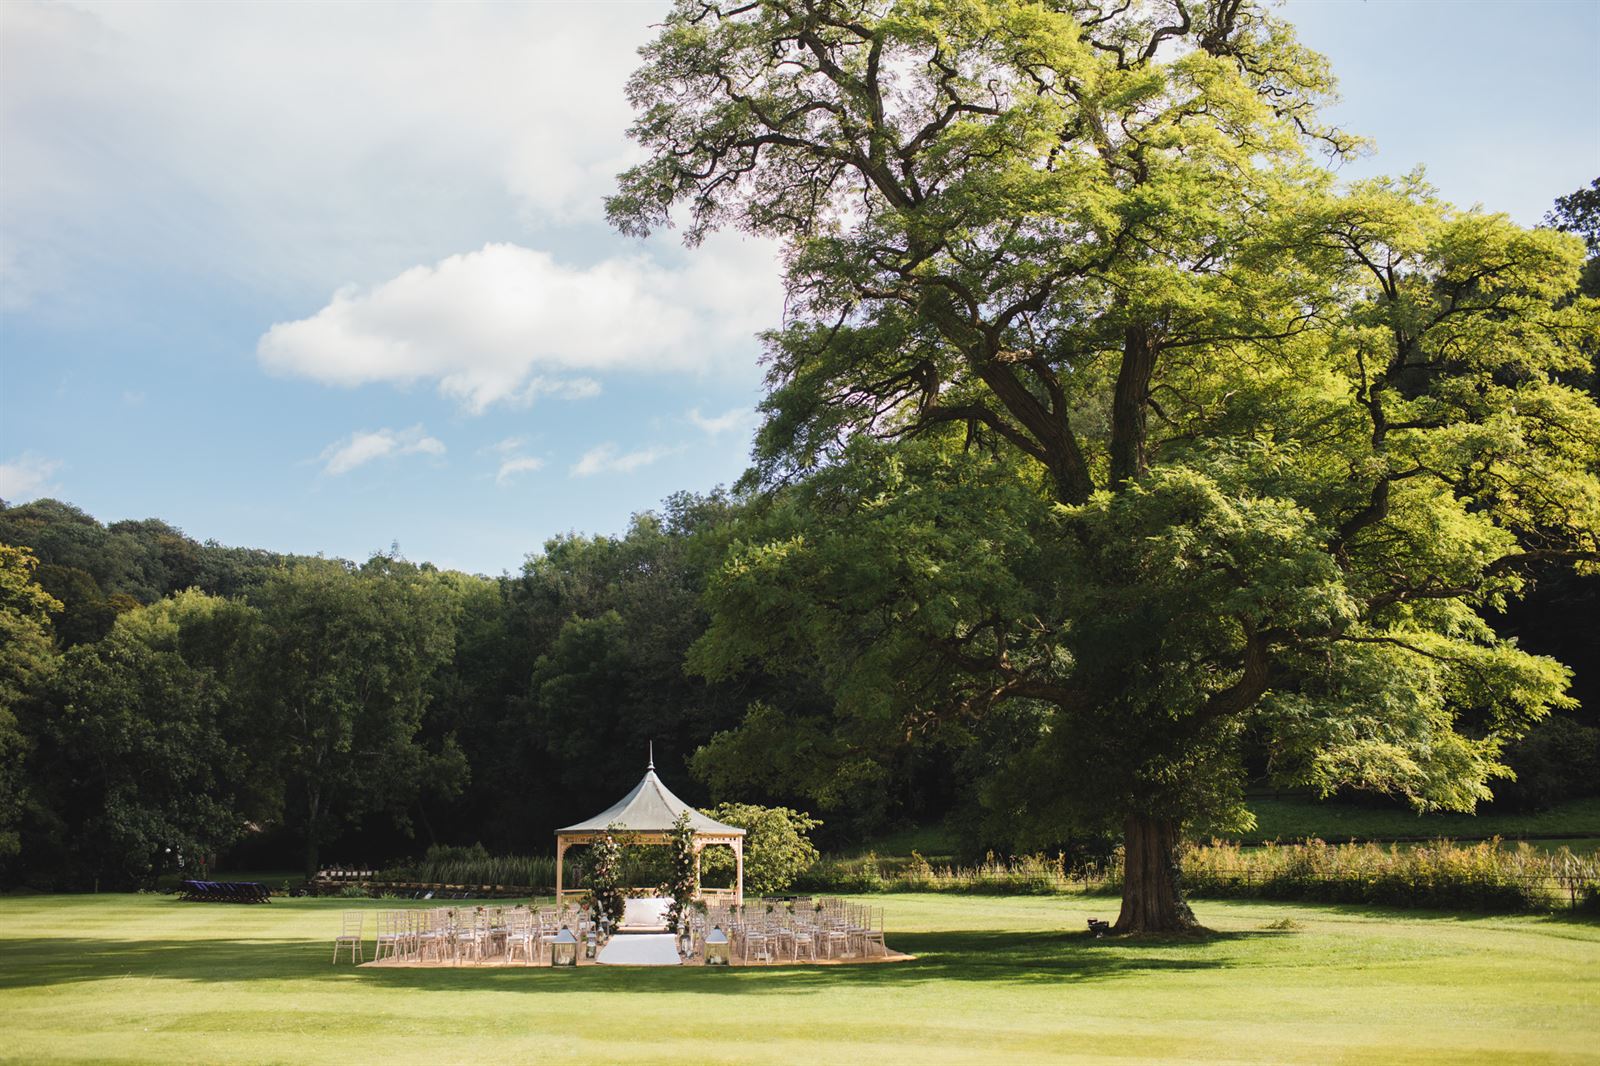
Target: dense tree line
(161, 697)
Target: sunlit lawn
(150, 979)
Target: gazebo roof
(650, 808)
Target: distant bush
(777, 846)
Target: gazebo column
(561, 851)
(738, 870)
(699, 849)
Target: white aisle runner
(640, 949)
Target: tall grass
(1487, 876)
(475, 866)
(1019, 875)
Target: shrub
(777, 846)
(605, 877)
(680, 885)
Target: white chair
(521, 936)
(350, 935)
(392, 933)
(758, 943)
(873, 934)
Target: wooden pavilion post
(738, 870)
(561, 851)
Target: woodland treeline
(161, 693)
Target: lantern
(564, 948)
(716, 947)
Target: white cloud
(363, 447)
(27, 476)
(517, 464)
(506, 324)
(608, 458)
(738, 418)
(293, 145)
(507, 446)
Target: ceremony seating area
(470, 935)
(760, 932)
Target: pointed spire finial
(652, 765)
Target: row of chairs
(462, 934)
(223, 892)
(767, 931)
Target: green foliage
(343, 668)
(26, 663)
(1094, 396)
(1579, 213)
(777, 846)
(605, 876)
(596, 629)
(1558, 760)
(681, 886)
(141, 746)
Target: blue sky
(325, 278)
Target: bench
(223, 892)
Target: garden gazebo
(646, 816)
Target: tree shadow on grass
(968, 956)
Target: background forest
(163, 697)
(269, 709)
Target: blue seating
(223, 892)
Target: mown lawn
(148, 979)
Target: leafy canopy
(1096, 395)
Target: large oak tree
(1097, 397)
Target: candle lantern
(716, 947)
(564, 948)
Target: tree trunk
(1152, 899)
(313, 796)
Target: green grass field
(147, 979)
